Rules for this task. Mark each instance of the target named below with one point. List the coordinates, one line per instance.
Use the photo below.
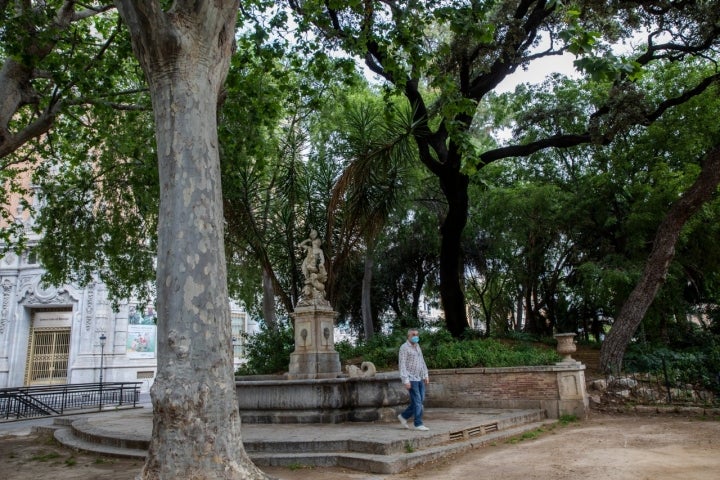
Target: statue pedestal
(314, 355)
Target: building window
(239, 327)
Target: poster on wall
(141, 341)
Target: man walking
(414, 375)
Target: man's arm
(426, 375)
(402, 366)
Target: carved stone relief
(7, 288)
(32, 292)
(90, 305)
(62, 298)
(10, 258)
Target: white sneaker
(403, 421)
(422, 428)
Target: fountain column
(314, 355)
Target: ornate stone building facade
(51, 335)
(57, 335)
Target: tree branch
(684, 97)
(572, 140)
(512, 47)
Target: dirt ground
(616, 447)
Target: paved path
(24, 427)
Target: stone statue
(313, 319)
(366, 369)
(313, 269)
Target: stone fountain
(314, 390)
(314, 319)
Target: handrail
(29, 403)
(45, 400)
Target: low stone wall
(557, 389)
(649, 392)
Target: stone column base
(314, 365)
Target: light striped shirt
(411, 363)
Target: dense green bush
(695, 367)
(688, 354)
(381, 350)
(268, 351)
(487, 353)
(441, 350)
(693, 360)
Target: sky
(538, 71)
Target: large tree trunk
(519, 324)
(366, 304)
(185, 54)
(16, 90)
(663, 251)
(455, 187)
(417, 291)
(268, 300)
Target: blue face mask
(415, 339)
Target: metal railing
(46, 400)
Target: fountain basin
(275, 399)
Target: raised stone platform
(377, 447)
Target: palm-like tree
(379, 148)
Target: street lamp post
(103, 338)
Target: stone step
(66, 436)
(86, 430)
(588, 356)
(370, 447)
(391, 463)
(83, 430)
(380, 446)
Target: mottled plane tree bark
(185, 52)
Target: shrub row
(269, 352)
